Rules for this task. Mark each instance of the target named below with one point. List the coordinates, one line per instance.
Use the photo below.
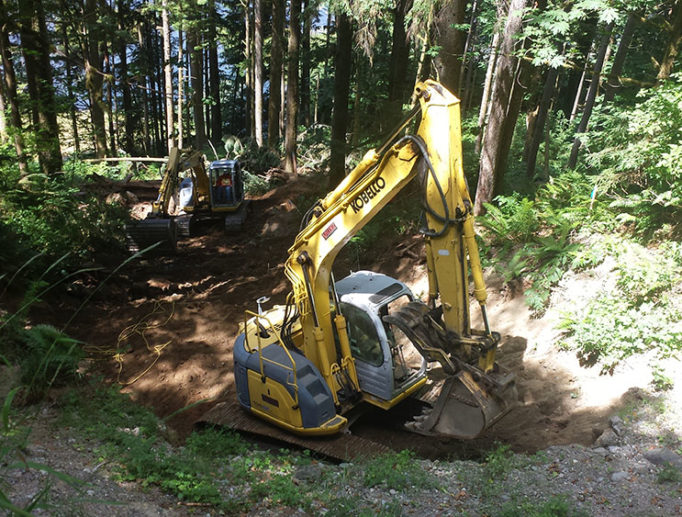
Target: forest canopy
(591, 86)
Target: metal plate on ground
(343, 447)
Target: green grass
(398, 471)
(215, 466)
(557, 506)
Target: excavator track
(341, 447)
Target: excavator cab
(227, 184)
(386, 362)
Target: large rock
(663, 456)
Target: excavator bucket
(144, 233)
(463, 400)
(461, 408)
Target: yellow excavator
(366, 339)
(184, 203)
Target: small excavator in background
(188, 197)
(366, 339)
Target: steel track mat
(343, 447)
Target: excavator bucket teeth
(462, 408)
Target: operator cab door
(384, 358)
(227, 184)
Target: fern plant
(51, 359)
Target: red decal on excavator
(328, 231)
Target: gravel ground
(634, 468)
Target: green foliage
(258, 160)
(50, 358)
(669, 473)
(499, 461)
(399, 471)
(255, 185)
(313, 147)
(556, 506)
(637, 152)
(640, 313)
(660, 381)
(211, 461)
(57, 215)
(537, 238)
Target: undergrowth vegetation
(622, 206)
(56, 216)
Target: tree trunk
(248, 57)
(168, 76)
(468, 64)
(181, 85)
(4, 137)
(532, 103)
(579, 90)
(110, 102)
(308, 13)
(613, 82)
(422, 66)
(292, 88)
(448, 62)
(504, 110)
(10, 88)
(197, 86)
(591, 94)
(673, 45)
(206, 94)
(33, 30)
(129, 130)
(258, 69)
(357, 115)
(158, 98)
(214, 77)
(274, 102)
(487, 90)
(94, 79)
(540, 121)
(397, 71)
(344, 44)
(145, 96)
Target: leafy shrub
(537, 238)
(258, 160)
(313, 147)
(499, 461)
(641, 313)
(255, 185)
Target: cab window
(362, 334)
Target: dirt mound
(164, 329)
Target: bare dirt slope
(164, 329)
